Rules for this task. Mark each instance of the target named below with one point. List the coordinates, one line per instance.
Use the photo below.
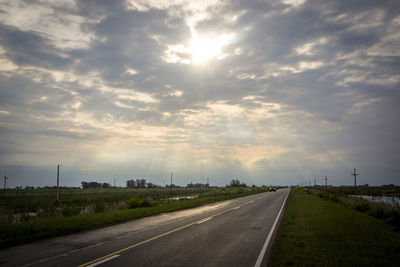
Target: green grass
(387, 212)
(317, 232)
(74, 201)
(367, 190)
(20, 233)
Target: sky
(268, 92)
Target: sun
(204, 49)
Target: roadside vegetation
(328, 228)
(390, 213)
(29, 215)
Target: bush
(363, 207)
(70, 211)
(99, 206)
(394, 218)
(334, 198)
(379, 213)
(136, 202)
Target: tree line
(95, 185)
(143, 183)
(140, 183)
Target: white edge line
(206, 219)
(102, 261)
(268, 240)
(62, 255)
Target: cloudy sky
(268, 92)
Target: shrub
(394, 218)
(379, 213)
(136, 202)
(334, 198)
(99, 206)
(363, 207)
(70, 211)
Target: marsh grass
(19, 205)
(69, 218)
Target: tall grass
(388, 213)
(26, 205)
(61, 224)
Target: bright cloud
(268, 93)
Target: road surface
(229, 233)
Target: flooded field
(392, 200)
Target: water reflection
(385, 199)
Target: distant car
(272, 189)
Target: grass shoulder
(316, 232)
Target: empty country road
(229, 233)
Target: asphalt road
(229, 233)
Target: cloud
(303, 88)
(30, 48)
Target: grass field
(30, 205)
(385, 211)
(80, 210)
(318, 232)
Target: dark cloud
(303, 90)
(31, 48)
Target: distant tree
(141, 183)
(131, 184)
(92, 184)
(237, 183)
(172, 186)
(151, 185)
(106, 185)
(95, 185)
(196, 185)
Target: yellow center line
(160, 235)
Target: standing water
(385, 199)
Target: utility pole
(208, 181)
(355, 178)
(5, 183)
(326, 182)
(315, 182)
(170, 185)
(58, 179)
(114, 183)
